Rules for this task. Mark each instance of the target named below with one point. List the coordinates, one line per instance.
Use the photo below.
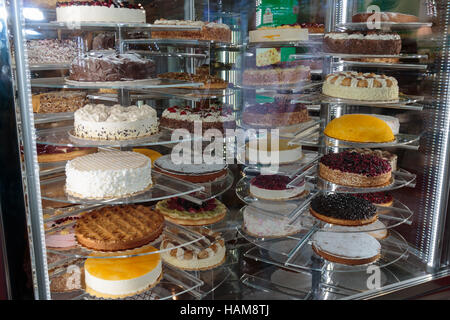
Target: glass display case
(313, 137)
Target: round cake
(368, 42)
(355, 170)
(383, 199)
(205, 254)
(258, 224)
(277, 114)
(118, 227)
(108, 174)
(343, 210)
(359, 128)
(383, 154)
(196, 173)
(111, 67)
(361, 86)
(123, 277)
(187, 213)
(347, 248)
(100, 122)
(274, 187)
(99, 11)
(212, 117)
(376, 229)
(264, 151)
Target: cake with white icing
(207, 253)
(100, 122)
(346, 248)
(275, 188)
(108, 174)
(361, 86)
(99, 11)
(123, 277)
(259, 224)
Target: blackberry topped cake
(276, 114)
(111, 67)
(208, 30)
(358, 42)
(274, 187)
(342, 209)
(355, 169)
(361, 86)
(99, 11)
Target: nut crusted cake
(209, 30)
(357, 42)
(118, 227)
(277, 114)
(51, 51)
(111, 67)
(285, 73)
(361, 86)
(343, 209)
(206, 254)
(58, 101)
(355, 169)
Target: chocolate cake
(343, 209)
(355, 169)
(359, 42)
(112, 67)
(104, 41)
(276, 114)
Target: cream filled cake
(274, 187)
(208, 253)
(99, 11)
(108, 174)
(123, 277)
(100, 122)
(361, 86)
(258, 224)
(268, 151)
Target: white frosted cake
(98, 11)
(123, 277)
(108, 174)
(260, 224)
(361, 86)
(100, 122)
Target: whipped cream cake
(123, 277)
(206, 254)
(347, 248)
(274, 187)
(108, 174)
(361, 86)
(100, 122)
(99, 11)
(266, 151)
(261, 225)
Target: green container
(273, 13)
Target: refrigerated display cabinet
(415, 256)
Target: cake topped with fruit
(99, 11)
(184, 212)
(48, 153)
(355, 169)
(275, 188)
(378, 198)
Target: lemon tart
(122, 277)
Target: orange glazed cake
(123, 277)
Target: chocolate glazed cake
(355, 170)
(344, 210)
(358, 42)
(113, 67)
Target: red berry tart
(355, 170)
(48, 153)
(377, 198)
(274, 187)
(186, 213)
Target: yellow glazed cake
(359, 128)
(122, 277)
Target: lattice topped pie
(119, 227)
(361, 86)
